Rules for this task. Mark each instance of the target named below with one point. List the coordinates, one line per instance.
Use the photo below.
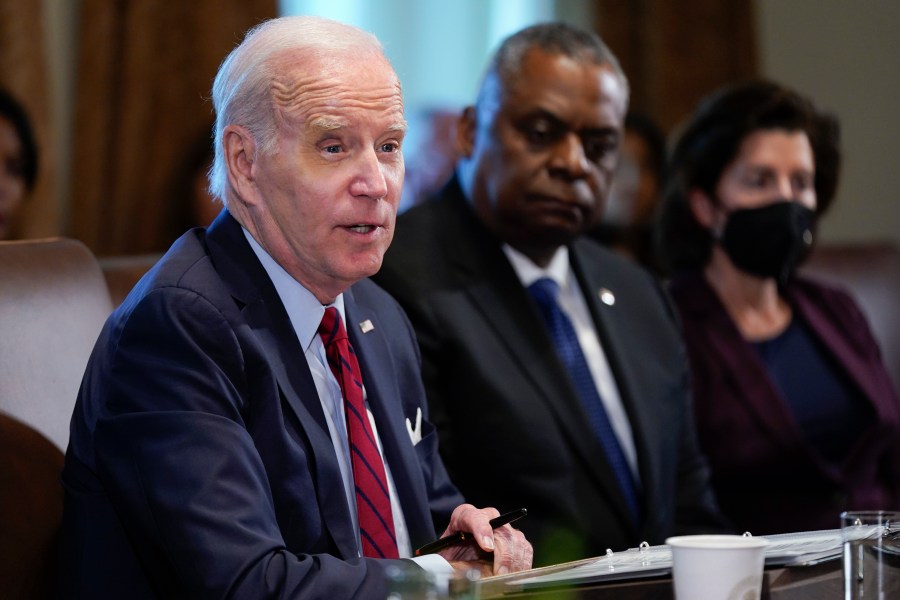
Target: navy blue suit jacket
(200, 464)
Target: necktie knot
(332, 328)
(544, 290)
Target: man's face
(542, 151)
(332, 184)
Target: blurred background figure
(192, 204)
(18, 153)
(631, 206)
(795, 408)
(430, 153)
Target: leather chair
(870, 272)
(53, 303)
(31, 504)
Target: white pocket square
(415, 433)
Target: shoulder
(423, 226)
(823, 295)
(597, 258)
(182, 294)
(821, 302)
(426, 243)
(185, 265)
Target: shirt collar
(528, 272)
(303, 308)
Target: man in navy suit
(603, 455)
(209, 452)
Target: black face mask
(769, 241)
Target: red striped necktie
(373, 502)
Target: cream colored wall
(846, 55)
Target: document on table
(788, 549)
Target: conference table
(823, 581)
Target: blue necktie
(545, 292)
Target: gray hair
(553, 38)
(242, 90)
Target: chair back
(53, 303)
(870, 272)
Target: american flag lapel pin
(366, 326)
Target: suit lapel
(618, 348)
(265, 314)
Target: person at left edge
(208, 454)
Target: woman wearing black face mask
(794, 407)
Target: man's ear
(465, 132)
(240, 156)
(703, 208)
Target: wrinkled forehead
(327, 86)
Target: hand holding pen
(480, 538)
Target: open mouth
(362, 228)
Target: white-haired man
(227, 440)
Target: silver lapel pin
(606, 296)
(366, 326)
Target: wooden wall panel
(674, 53)
(145, 71)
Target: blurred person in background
(794, 406)
(18, 153)
(636, 193)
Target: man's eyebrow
(398, 126)
(539, 112)
(326, 124)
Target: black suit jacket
(500, 397)
(200, 464)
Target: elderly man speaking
(250, 424)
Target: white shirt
(305, 313)
(572, 303)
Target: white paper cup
(717, 567)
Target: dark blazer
(200, 464)
(500, 396)
(767, 476)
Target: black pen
(462, 536)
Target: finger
(514, 552)
(523, 554)
(477, 522)
(528, 554)
(505, 549)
